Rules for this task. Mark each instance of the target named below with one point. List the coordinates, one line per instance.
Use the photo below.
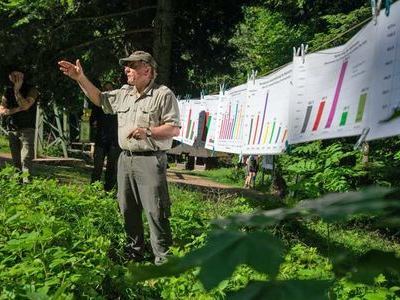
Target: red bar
(255, 132)
(204, 134)
(319, 114)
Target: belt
(142, 153)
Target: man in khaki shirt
(148, 119)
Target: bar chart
(266, 119)
(191, 121)
(231, 113)
(331, 90)
(207, 118)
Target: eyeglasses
(134, 64)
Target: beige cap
(139, 56)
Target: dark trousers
(22, 149)
(100, 153)
(142, 186)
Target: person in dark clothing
(251, 172)
(18, 111)
(106, 144)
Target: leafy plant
(55, 239)
(226, 249)
(314, 169)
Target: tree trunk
(162, 45)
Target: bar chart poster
(231, 112)
(206, 119)
(191, 119)
(331, 90)
(183, 106)
(212, 105)
(267, 113)
(386, 84)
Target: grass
(308, 243)
(4, 148)
(64, 174)
(307, 254)
(356, 239)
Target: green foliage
(67, 241)
(54, 150)
(292, 289)
(338, 24)
(384, 165)
(229, 248)
(4, 147)
(264, 41)
(55, 239)
(345, 289)
(305, 263)
(314, 169)
(36, 34)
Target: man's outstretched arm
(76, 73)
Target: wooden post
(38, 142)
(60, 130)
(66, 129)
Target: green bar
(189, 129)
(208, 123)
(343, 118)
(361, 107)
(272, 133)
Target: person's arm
(9, 111)
(76, 73)
(24, 103)
(169, 122)
(4, 111)
(162, 132)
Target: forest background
(198, 45)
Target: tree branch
(106, 38)
(134, 11)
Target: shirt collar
(148, 91)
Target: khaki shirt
(156, 106)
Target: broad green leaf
(331, 207)
(335, 207)
(218, 259)
(261, 218)
(373, 263)
(284, 290)
(259, 250)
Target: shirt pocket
(123, 116)
(147, 118)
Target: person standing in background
(106, 144)
(251, 172)
(18, 111)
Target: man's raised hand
(73, 71)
